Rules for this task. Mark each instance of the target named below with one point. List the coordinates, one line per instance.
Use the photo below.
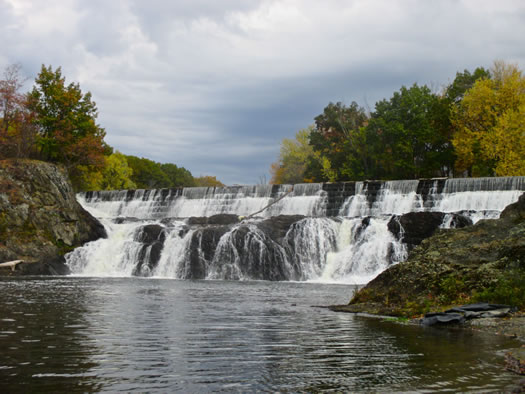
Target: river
(81, 334)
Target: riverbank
(480, 263)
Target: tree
(147, 174)
(66, 121)
(11, 100)
(490, 124)
(463, 82)
(293, 159)
(208, 181)
(336, 138)
(116, 174)
(407, 136)
(179, 177)
(17, 132)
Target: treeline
(474, 127)
(56, 122)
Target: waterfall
(324, 232)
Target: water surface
(131, 334)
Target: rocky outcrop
(413, 227)
(222, 247)
(40, 219)
(453, 266)
(151, 237)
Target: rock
(203, 246)
(152, 237)
(220, 219)
(515, 360)
(413, 227)
(40, 218)
(276, 227)
(515, 212)
(439, 318)
(451, 264)
(229, 250)
(479, 307)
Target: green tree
(178, 176)
(293, 159)
(463, 82)
(336, 138)
(66, 121)
(408, 137)
(147, 174)
(490, 124)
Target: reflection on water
(91, 335)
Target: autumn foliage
(56, 122)
(474, 127)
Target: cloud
(215, 86)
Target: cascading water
(346, 232)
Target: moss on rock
(40, 219)
(483, 262)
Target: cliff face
(40, 219)
(452, 266)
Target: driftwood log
(11, 264)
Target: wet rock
(276, 227)
(440, 318)
(220, 219)
(150, 233)
(202, 251)
(413, 227)
(515, 361)
(451, 264)
(253, 249)
(152, 237)
(130, 219)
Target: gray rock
(40, 218)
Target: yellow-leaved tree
(293, 158)
(490, 124)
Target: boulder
(40, 218)
(451, 265)
(152, 237)
(413, 227)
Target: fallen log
(11, 264)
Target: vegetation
(508, 288)
(208, 181)
(56, 122)
(490, 123)
(474, 127)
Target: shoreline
(511, 327)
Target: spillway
(327, 232)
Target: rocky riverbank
(484, 262)
(40, 218)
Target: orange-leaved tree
(66, 122)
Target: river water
(67, 334)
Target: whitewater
(320, 232)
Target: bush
(508, 289)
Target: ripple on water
(91, 335)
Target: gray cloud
(215, 86)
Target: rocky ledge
(40, 218)
(480, 263)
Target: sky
(214, 86)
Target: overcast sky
(215, 85)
